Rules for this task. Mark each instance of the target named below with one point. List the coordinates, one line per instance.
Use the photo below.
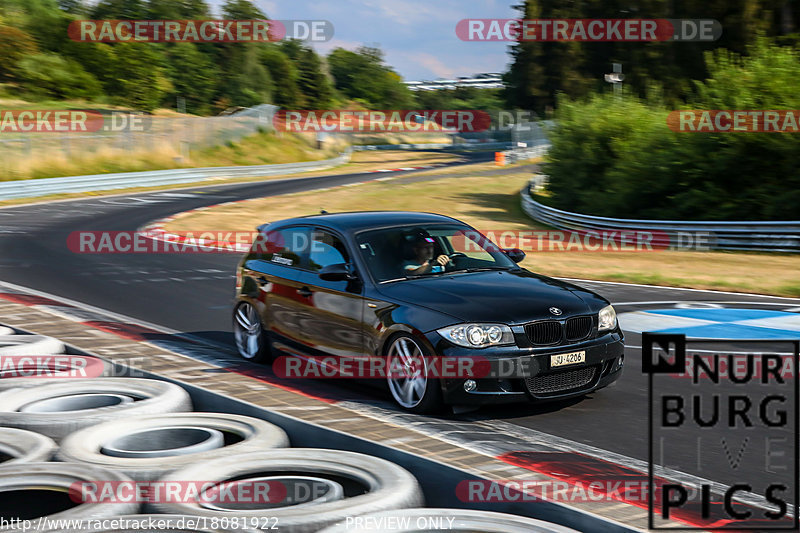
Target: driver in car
(423, 262)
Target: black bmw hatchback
(451, 315)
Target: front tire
(248, 333)
(407, 375)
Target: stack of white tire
(59, 434)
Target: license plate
(564, 359)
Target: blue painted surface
(734, 331)
(722, 314)
(728, 323)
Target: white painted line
(788, 322)
(722, 302)
(697, 350)
(679, 288)
(639, 321)
(114, 317)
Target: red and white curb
(216, 354)
(155, 230)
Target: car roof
(360, 220)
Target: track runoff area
(705, 414)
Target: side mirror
(337, 272)
(515, 254)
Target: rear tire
(248, 334)
(415, 391)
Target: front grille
(544, 332)
(578, 328)
(561, 381)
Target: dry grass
(399, 138)
(491, 203)
(258, 149)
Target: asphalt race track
(191, 293)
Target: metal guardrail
(741, 235)
(522, 154)
(103, 182)
(434, 146)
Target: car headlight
(478, 335)
(607, 319)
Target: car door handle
(305, 291)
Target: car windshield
(407, 252)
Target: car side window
(326, 249)
(286, 246)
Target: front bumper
(514, 374)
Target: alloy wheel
(247, 331)
(407, 372)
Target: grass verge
(73, 160)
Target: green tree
(615, 156)
(177, 9)
(45, 22)
(285, 77)
(120, 9)
(312, 80)
(98, 59)
(193, 76)
(76, 7)
(242, 10)
(246, 82)
(53, 76)
(14, 45)
(139, 79)
(362, 75)
(541, 70)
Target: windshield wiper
(414, 276)
(430, 274)
(485, 269)
(406, 277)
